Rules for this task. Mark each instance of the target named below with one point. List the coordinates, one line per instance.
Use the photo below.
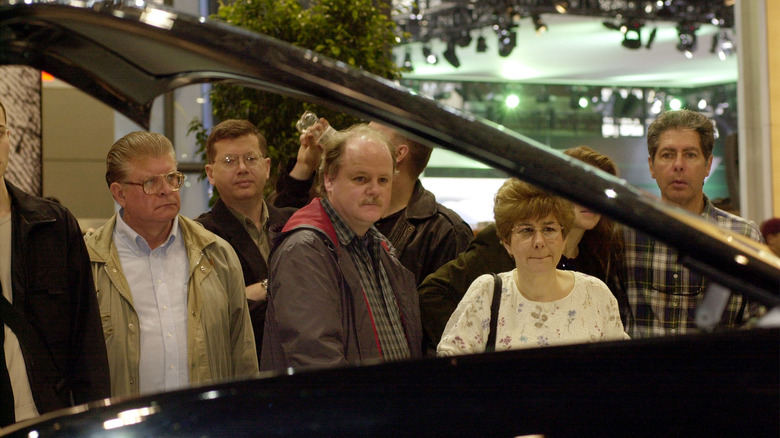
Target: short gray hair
(138, 144)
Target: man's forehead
(244, 140)
(679, 139)
(152, 165)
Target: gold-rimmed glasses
(154, 184)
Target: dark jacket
(53, 289)
(220, 221)
(425, 236)
(317, 312)
(428, 234)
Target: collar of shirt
(247, 222)
(344, 233)
(135, 242)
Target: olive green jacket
(220, 341)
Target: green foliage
(357, 32)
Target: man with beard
(662, 294)
(337, 295)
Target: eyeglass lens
(154, 185)
(250, 160)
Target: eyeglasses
(526, 233)
(231, 161)
(154, 184)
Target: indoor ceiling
(580, 50)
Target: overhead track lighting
(451, 56)
(464, 40)
(632, 38)
(687, 34)
(408, 61)
(429, 56)
(651, 38)
(481, 44)
(722, 44)
(507, 41)
(539, 25)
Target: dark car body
(709, 384)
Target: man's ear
(401, 153)
(118, 192)
(650, 165)
(209, 172)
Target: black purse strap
(494, 305)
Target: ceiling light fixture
(408, 61)
(651, 38)
(481, 44)
(539, 25)
(429, 56)
(507, 41)
(687, 34)
(451, 56)
(464, 40)
(722, 44)
(562, 6)
(632, 38)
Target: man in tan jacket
(171, 294)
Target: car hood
(126, 56)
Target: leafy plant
(358, 32)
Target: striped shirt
(364, 252)
(663, 295)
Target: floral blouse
(588, 314)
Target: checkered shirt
(663, 295)
(383, 307)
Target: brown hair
(604, 239)
(138, 144)
(682, 119)
(517, 200)
(231, 129)
(333, 156)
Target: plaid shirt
(663, 295)
(382, 305)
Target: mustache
(371, 201)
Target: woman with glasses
(593, 246)
(540, 304)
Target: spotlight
(632, 38)
(687, 34)
(722, 44)
(541, 26)
(562, 6)
(507, 41)
(481, 44)
(651, 38)
(408, 61)
(451, 56)
(464, 39)
(429, 56)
